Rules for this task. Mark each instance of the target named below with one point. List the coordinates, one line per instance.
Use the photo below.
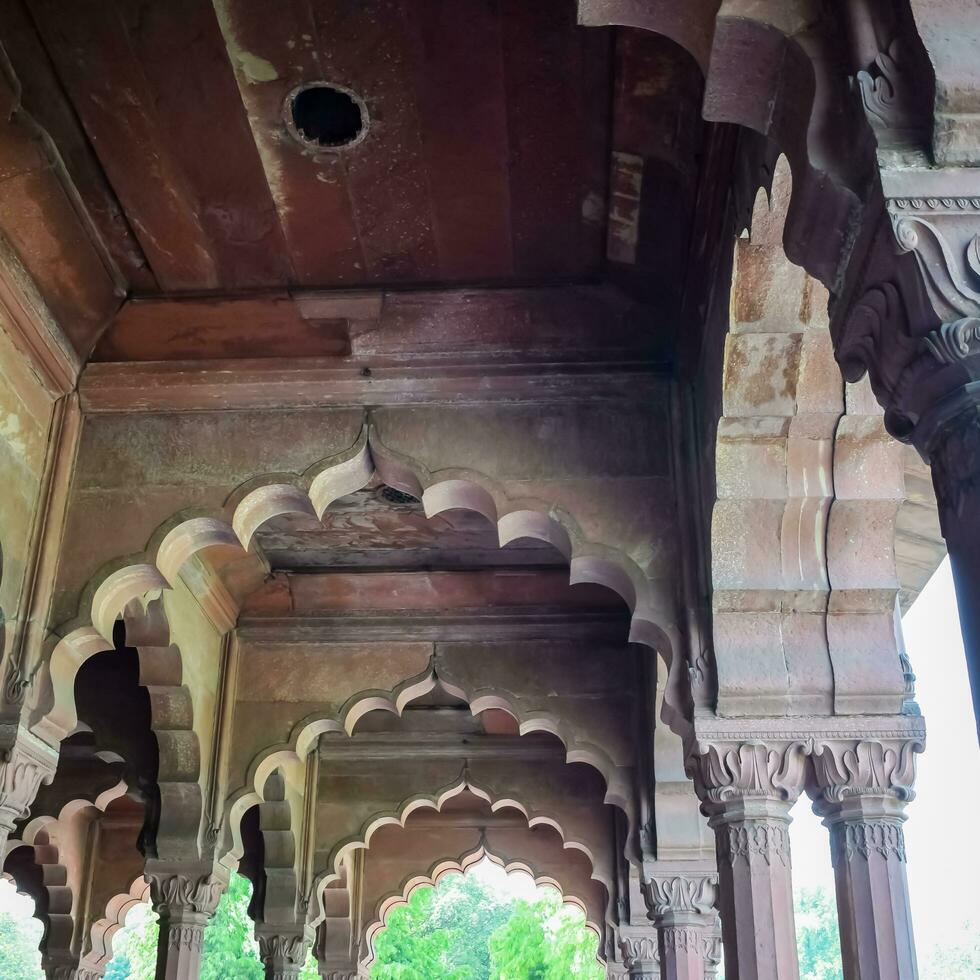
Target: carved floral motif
(283, 948)
(23, 767)
(683, 939)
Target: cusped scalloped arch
(304, 738)
(460, 865)
(139, 584)
(436, 801)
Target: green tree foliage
(462, 930)
(545, 940)
(817, 936)
(19, 938)
(230, 949)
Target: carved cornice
(851, 768)
(694, 892)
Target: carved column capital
(184, 889)
(641, 954)
(727, 771)
(693, 892)
(851, 768)
(283, 953)
(25, 762)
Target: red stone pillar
(747, 790)
(283, 954)
(640, 950)
(953, 449)
(681, 904)
(185, 897)
(861, 791)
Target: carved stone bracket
(25, 762)
(728, 771)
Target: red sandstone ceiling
(496, 142)
(485, 154)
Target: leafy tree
(462, 930)
(229, 947)
(545, 940)
(19, 938)
(817, 936)
(959, 962)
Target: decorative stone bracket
(25, 763)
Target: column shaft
(180, 944)
(756, 886)
(682, 951)
(185, 897)
(862, 788)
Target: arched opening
(480, 920)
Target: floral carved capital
(639, 950)
(176, 892)
(731, 771)
(874, 767)
(693, 893)
(26, 764)
(285, 948)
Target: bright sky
(944, 864)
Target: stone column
(861, 788)
(641, 954)
(283, 953)
(747, 790)
(953, 449)
(185, 897)
(712, 954)
(682, 907)
(25, 762)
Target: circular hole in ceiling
(394, 496)
(324, 116)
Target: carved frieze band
(849, 840)
(757, 839)
(186, 937)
